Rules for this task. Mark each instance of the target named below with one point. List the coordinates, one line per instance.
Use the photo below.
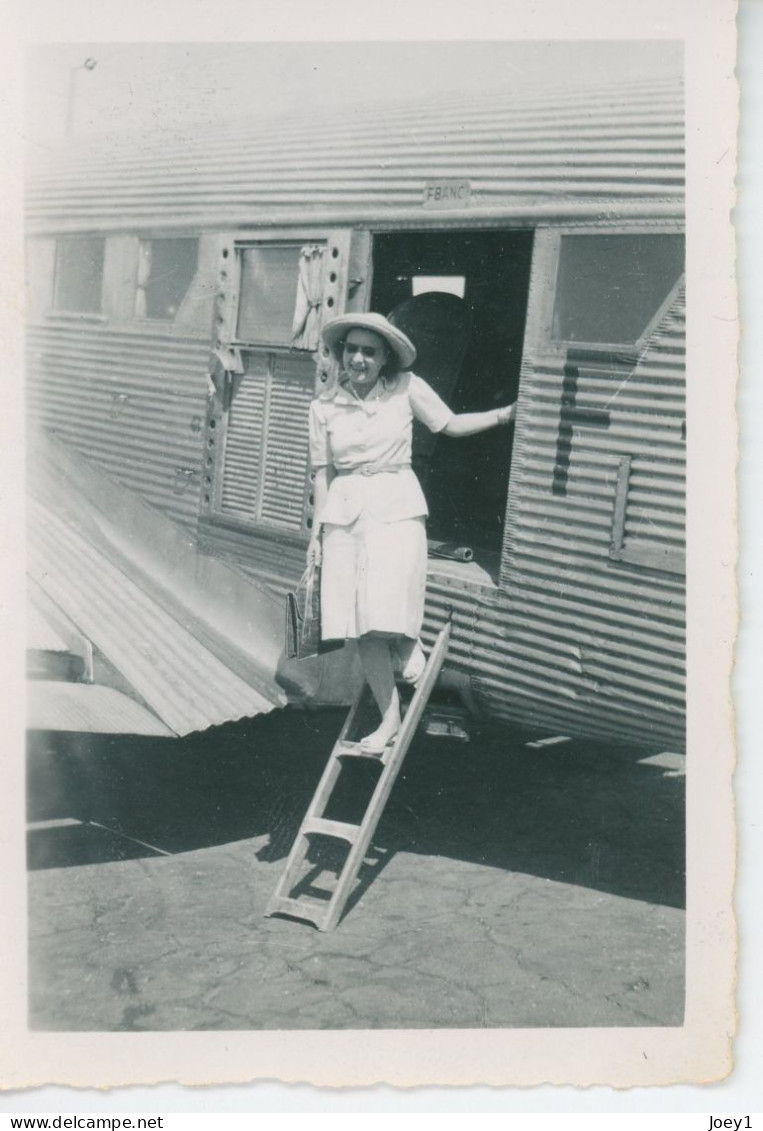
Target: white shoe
(373, 744)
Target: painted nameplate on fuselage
(447, 193)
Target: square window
(442, 284)
(268, 294)
(609, 288)
(166, 268)
(79, 274)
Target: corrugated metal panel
(132, 401)
(444, 599)
(611, 149)
(584, 640)
(40, 634)
(181, 680)
(86, 708)
(276, 562)
(654, 518)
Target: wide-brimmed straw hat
(336, 331)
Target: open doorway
(465, 480)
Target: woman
(369, 529)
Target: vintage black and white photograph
(356, 557)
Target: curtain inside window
(306, 326)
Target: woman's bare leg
(412, 659)
(376, 657)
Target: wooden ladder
(325, 913)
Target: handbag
(303, 618)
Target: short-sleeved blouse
(347, 433)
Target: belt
(373, 469)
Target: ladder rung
(340, 829)
(299, 908)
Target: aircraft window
(79, 274)
(609, 288)
(269, 278)
(444, 284)
(166, 268)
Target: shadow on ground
(581, 812)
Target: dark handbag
(303, 618)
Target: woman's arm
(324, 476)
(469, 423)
(323, 479)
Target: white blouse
(348, 433)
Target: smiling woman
(369, 527)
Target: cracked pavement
(550, 898)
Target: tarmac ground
(513, 882)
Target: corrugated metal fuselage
(576, 624)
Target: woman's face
(363, 355)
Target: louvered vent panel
(243, 448)
(283, 495)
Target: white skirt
(373, 578)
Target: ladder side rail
(333, 766)
(316, 808)
(301, 844)
(384, 786)
(326, 917)
(300, 909)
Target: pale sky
(137, 86)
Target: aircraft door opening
(471, 298)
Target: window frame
(119, 282)
(544, 336)
(341, 250)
